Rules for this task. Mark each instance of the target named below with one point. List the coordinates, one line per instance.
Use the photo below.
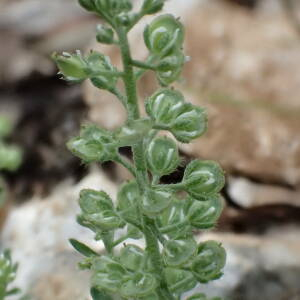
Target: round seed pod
(170, 67)
(133, 132)
(164, 35)
(132, 257)
(162, 156)
(140, 285)
(209, 261)
(190, 124)
(164, 106)
(93, 144)
(169, 111)
(203, 178)
(154, 201)
(204, 214)
(108, 275)
(173, 221)
(179, 281)
(98, 211)
(128, 197)
(92, 202)
(177, 252)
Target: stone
(244, 71)
(38, 233)
(258, 267)
(247, 194)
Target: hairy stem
(152, 245)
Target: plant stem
(126, 163)
(128, 77)
(152, 246)
(143, 65)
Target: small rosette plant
(164, 215)
(8, 271)
(10, 155)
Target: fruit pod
(162, 156)
(177, 252)
(203, 178)
(164, 35)
(204, 214)
(128, 197)
(179, 281)
(209, 261)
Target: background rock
(244, 70)
(38, 233)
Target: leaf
(82, 248)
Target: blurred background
(244, 69)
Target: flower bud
(209, 261)
(127, 19)
(132, 257)
(179, 281)
(204, 214)
(154, 201)
(164, 35)
(133, 132)
(128, 197)
(169, 68)
(98, 62)
(162, 156)
(173, 221)
(113, 7)
(139, 285)
(152, 6)
(105, 35)
(6, 127)
(72, 66)
(203, 178)
(93, 144)
(10, 157)
(177, 252)
(89, 5)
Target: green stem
(126, 163)
(143, 65)
(119, 95)
(120, 240)
(174, 186)
(129, 80)
(152, 245)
